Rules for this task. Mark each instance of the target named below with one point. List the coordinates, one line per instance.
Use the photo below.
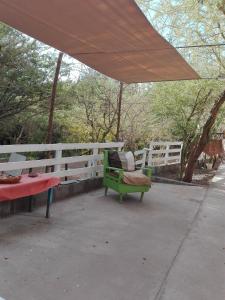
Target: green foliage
(23, 73)
(184, 107)
(96, 104)
(192, 22)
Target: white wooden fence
(160, 154)
(164, 153)
(92, 161)
(88, 165)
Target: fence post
(167, 153)
(94, 163)
(150, 155)
(144, 158)
(58, 154)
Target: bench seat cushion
(136, 178)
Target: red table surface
(27, 186)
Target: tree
(23, 73)
(97, 97)
(194, 22)
(203, 138)
(137, 119)
(191, 23)
(181, 108)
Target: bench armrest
(146, 171)
(116, 170)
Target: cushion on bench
(136, 178)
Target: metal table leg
(49, 201)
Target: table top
(27, 186)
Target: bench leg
(142, 196)
(49, 201)
(121, 198)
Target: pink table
(29, 186)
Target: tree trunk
(119, 111)
(203, 139)
(52, 99)
(19, 137)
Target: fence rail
(164, 153)
(91, 164)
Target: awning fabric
(111, 36)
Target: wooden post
(167, 154)
(58, 155)
(144, 158)
(94, 163)
(119, 111)
(52, 99)
(150, 155)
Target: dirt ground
(202, 177)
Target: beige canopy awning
(111, 36)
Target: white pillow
(130, 161)
(127, 161)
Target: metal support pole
(119, 111)
(49, 201)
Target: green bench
(113, 179)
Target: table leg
(12, 208)
(30, 200)
(49, 201)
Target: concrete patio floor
(170, 247)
